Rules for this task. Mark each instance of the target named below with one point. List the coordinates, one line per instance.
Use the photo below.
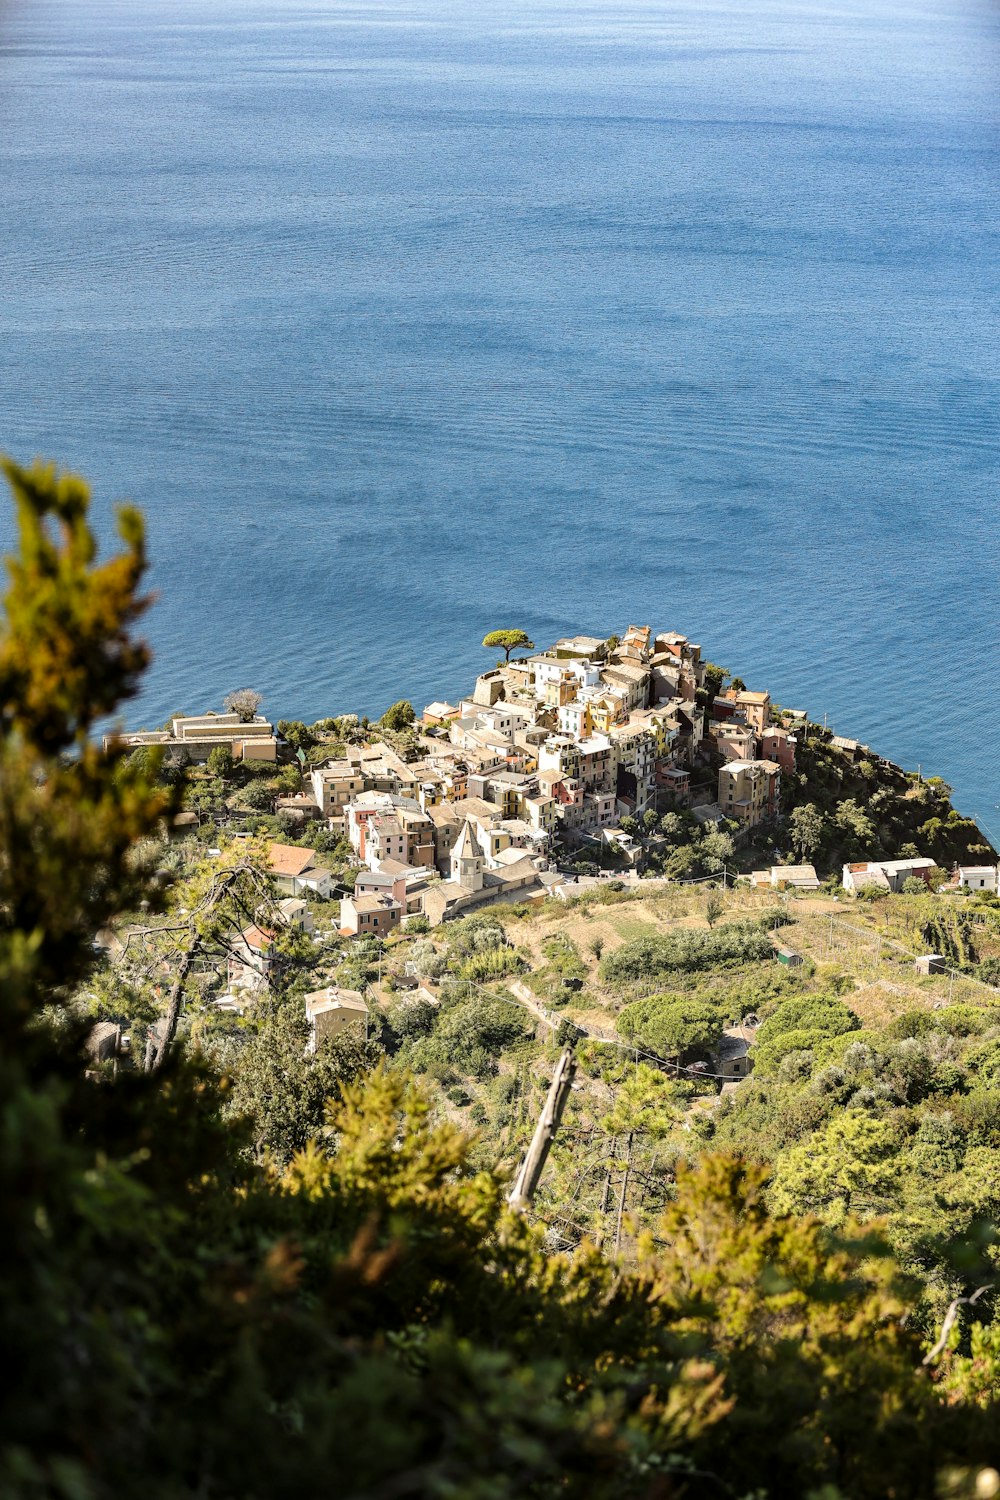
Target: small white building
(888, 874)
(979, 877)
(331, 1011)
(799, 877)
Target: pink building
(778, 745)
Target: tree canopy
(400, 716)
(244, 702)
(673, 1026)
(508, 641)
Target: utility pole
(526, 1182)
(606, 1193)
(621, 1197)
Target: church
(475, 881)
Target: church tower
(467, 860)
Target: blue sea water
(407, 319)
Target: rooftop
(333, 998)
(258, 938)
(288, 860)
(374, 902)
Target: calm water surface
(405, 320)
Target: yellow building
(605, 712)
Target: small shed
(184, 824)
(930, 963)
(104, 1041)
(330, 1011)
(787, 956)
(799, 877)
(732, 1055)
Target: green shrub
(470, 1035)
(672, 1026)
(491, 964)
(692, 952)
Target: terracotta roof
(288, 860)
(257, 937)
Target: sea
(405, 320)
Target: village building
(734, 741)
(503, 789)
(382, 770)
(490, 688)
(334, 786)
(104, 1041)
(756, 709)
(597, 763)
(404, 883)
(667, 680)
(886, 874)
(978, 877)
(250, 959)
(586, 647)
(732, 1057)
(779, 744)
(558, 678)
(853, 749)
(676, 782)
(295, 871)
(436, 714)
(475, 879)
(634, 644)
(294, 912)
(599, 810)
(631, 679)
(750, 790)
(403, 833)
(299, 808)
(541, 813)
(370, 914)
(192, 739)
(329, 1012)
(635, 753)
(796, 877)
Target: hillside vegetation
(869, 808)
(246, 1270)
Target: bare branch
(949, 1320)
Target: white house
(330, 1011)
(979, 877)
(890, 874)
(551, 669)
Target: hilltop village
(591, 759)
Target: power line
(600, 1038)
